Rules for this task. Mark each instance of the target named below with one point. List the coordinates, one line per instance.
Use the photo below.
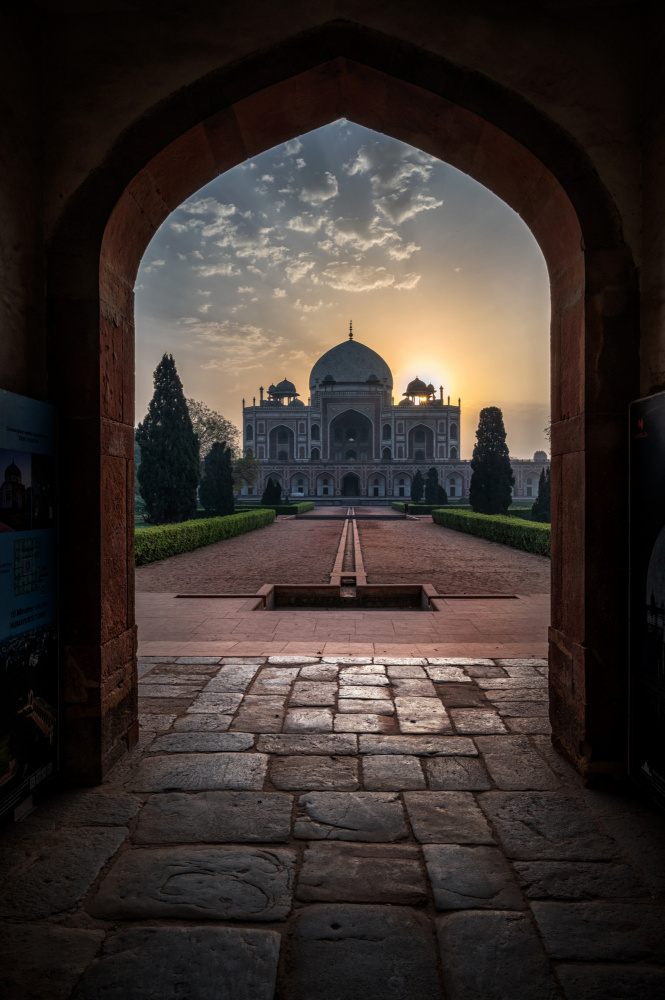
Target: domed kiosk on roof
(352, 440)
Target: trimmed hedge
(531, 536)
(291, 508)
(416, 508)
(163, 540)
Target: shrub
(163, 540)
(216, 489)
(416, 508)
(513, 531)
(541, 510)
(272, 494)
(417, 487)
(292, 508)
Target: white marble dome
(351, 362)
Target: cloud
(278, 293)
(153, 265)
(354, 277)
(306, 223)
(300, 163)
(268, 177)
(360, 233)
(292, 147)
(218, 212)
(231, 347)
(320, 189)
(207, 270)
(246, 289)
(205, 307)
(402, 205)
(201, 291)
(305, 308)
(402, 251)
(408, 282)
(298, 269)
(398, 176)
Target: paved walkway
(336, 829)
(462, 627)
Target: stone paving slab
(520, 709)
(514, 764)
(356, 952)
(569, 880)
(167, 691)
(61, 873)
(493, 956)
(197, 883)
(156, 722)
(392, 773)
(89, 808)
(473, 878)
(419, 746)
(362, 873)
(447, 818)
(219, 702)
(308, 720)
(233, 677)
(220, 963)
(362, 722)
(196, 772)
(208, 722)
(319, 672)
(602, 932)
(202, 742)
(422, 715)
(396, 671)
(57, 958)
(408, 687)
(375, 706)
(536, 826)
(462, 696)
(215, 817)
(313, 693)
(370, 691)
(477, 721)
(448, 675)
(537, 726)
(611, 982)
(315, 773)
(260, 714)
(370, 681)
(451, 773)
(375, 817)
(287, 744)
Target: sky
(255, 276)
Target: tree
(245, 470)
(492, 479)
(417, 487)
(441, 496)
(216, 490)
(211, 426)
(432, 486)
(169, 471)
(272, 494)
(542, 507)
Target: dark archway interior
(350, 485)
(351, 437)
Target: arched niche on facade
(342, 71)
(281, 444)
(421, 443)
(351, 433)
(376, 484)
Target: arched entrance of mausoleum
(350, 485)
(494, 137)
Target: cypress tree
(441, 496)
(216, 490)
(432, 486)
(272, 494)
(542, 507)
(417, 487)
(492, 479)
(169, 471)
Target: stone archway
(462, 118)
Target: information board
(28, 613)
(647, 594)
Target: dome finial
(350, 329)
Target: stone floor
(333, 828)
